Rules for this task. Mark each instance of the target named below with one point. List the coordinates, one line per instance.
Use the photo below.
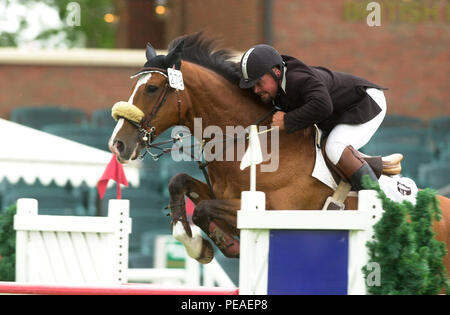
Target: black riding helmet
(256, 62)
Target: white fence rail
(69, 249)
(75, 250)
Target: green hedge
(7, 245)
(409, 257)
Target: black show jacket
(316, 95)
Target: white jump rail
(72, 249)
(61, 251)
(123, 289)
(259, 228)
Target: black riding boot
(354, 167)
(357, 177)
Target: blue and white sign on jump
(304, 251)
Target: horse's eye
(151, 88)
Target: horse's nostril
(119, 145)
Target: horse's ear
(150, 52)
(174, 56)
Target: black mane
(202, 51)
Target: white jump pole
(253, 245)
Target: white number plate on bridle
(175, 79)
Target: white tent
(31, 154)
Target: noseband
(137, 118)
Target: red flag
(114, 171)
(190, 205)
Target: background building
(409, 53)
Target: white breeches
(355, 135)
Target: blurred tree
(83, 24)
(8, 39)
(7, 244)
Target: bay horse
(211, 92)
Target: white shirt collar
(283, 82)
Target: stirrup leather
(336, 202)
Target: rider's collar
(283, 82)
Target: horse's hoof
(227, 244)
(207, 253)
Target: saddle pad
(396, 188)
(321, 171)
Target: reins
(158, 145)
(202, 165)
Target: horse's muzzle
(123, 153)
(117, 147)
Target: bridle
(146, 131)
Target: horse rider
(347, 108)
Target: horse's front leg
(218, 219)
(196, 246)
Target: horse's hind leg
(442, 228)
(196, 246)
(218, 219)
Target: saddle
(381, 165)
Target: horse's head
(153, 106)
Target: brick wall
(139, 25)
(409, 53)
(83, 87)
(237, 23)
